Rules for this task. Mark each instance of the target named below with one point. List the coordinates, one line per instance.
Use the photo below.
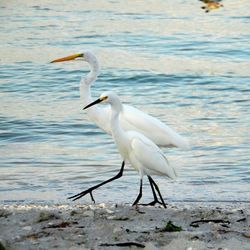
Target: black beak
(93, 103)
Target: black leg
(153, 190)
(139, 195)
(89, 191)
(154, 194)
(152, 183)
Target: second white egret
(143, 154)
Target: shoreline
(106, 226)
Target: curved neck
(94, 71)
(86, 81)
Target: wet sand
(102, 226)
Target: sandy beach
(120, 226)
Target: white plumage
(143, 154)
(144, 132)
(130, 118)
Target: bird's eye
(104, 98)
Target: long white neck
(94, 70)
(118, 133)
(86, 81)
(85, 93)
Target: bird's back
(133, 119)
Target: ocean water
(188, 68)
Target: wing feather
(134, 119)
(150, 157)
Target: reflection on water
(186, 67)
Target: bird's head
(109, 97)
(85, 56)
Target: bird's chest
(122, 147)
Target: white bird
(130, 118)
(143, 154)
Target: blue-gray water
(186, 67)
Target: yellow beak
(68, 58)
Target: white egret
(130, 118)
(143, 154)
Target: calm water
(168, 58)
